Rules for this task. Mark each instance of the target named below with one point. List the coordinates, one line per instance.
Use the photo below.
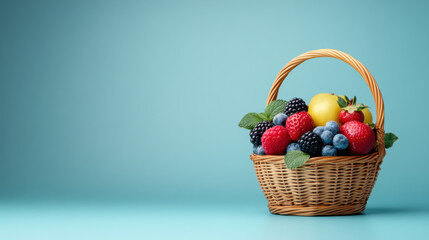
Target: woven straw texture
(323, 185)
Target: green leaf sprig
(295, 159)
(389, 139)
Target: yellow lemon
(368, 116)
(323, 108)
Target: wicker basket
(323, 185)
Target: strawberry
(275, 140)
(299, 123)
(361, 137)
(346, 116)
(350, 110)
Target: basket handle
(363, 71)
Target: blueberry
(318, 130)
(340, 142)
(254, 148)
(280, 119)
(260, 150)
(333, 127)
(293, 147)
(329, 150)
(327, 137)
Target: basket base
(317, 210)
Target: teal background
(134, 106)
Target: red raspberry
(275, 140)
(361, 137)
(298, 124)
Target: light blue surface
(140, 100)
(208, 221)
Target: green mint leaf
(274, 108)
(264, 116)
(389, 139)
(341, 102)
(295, 159)
(250, 120)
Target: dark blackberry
(260, 128)
(295, 105)
(311, 143)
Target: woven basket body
(323, 185)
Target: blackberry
(295, 105)
(311, 143)
(260, 128)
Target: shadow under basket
(339, 185)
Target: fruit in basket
(333, 127)
(260, 128)
(350, 110)
(275, 140)
(323, 108)
(360, 136)
(299, 123)
(327, 137)
(340, 142)
(280, 119)
(350, 141)
(367, 116)
(329, 150)
(260, 150)
(294, 146)
(311, 143)
(295, 105)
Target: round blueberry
(327, 137)
(333, 127)
(318, 130)
(329, 150)
(260, 150)
(280, 119)
(293, 147)
(340, 142)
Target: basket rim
(367, 158)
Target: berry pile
(293, 130)
(332, 139)
(330, 126)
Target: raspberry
(298, 124)
(258, 130)
(295, 105)
(311, 143)
(275, 140)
